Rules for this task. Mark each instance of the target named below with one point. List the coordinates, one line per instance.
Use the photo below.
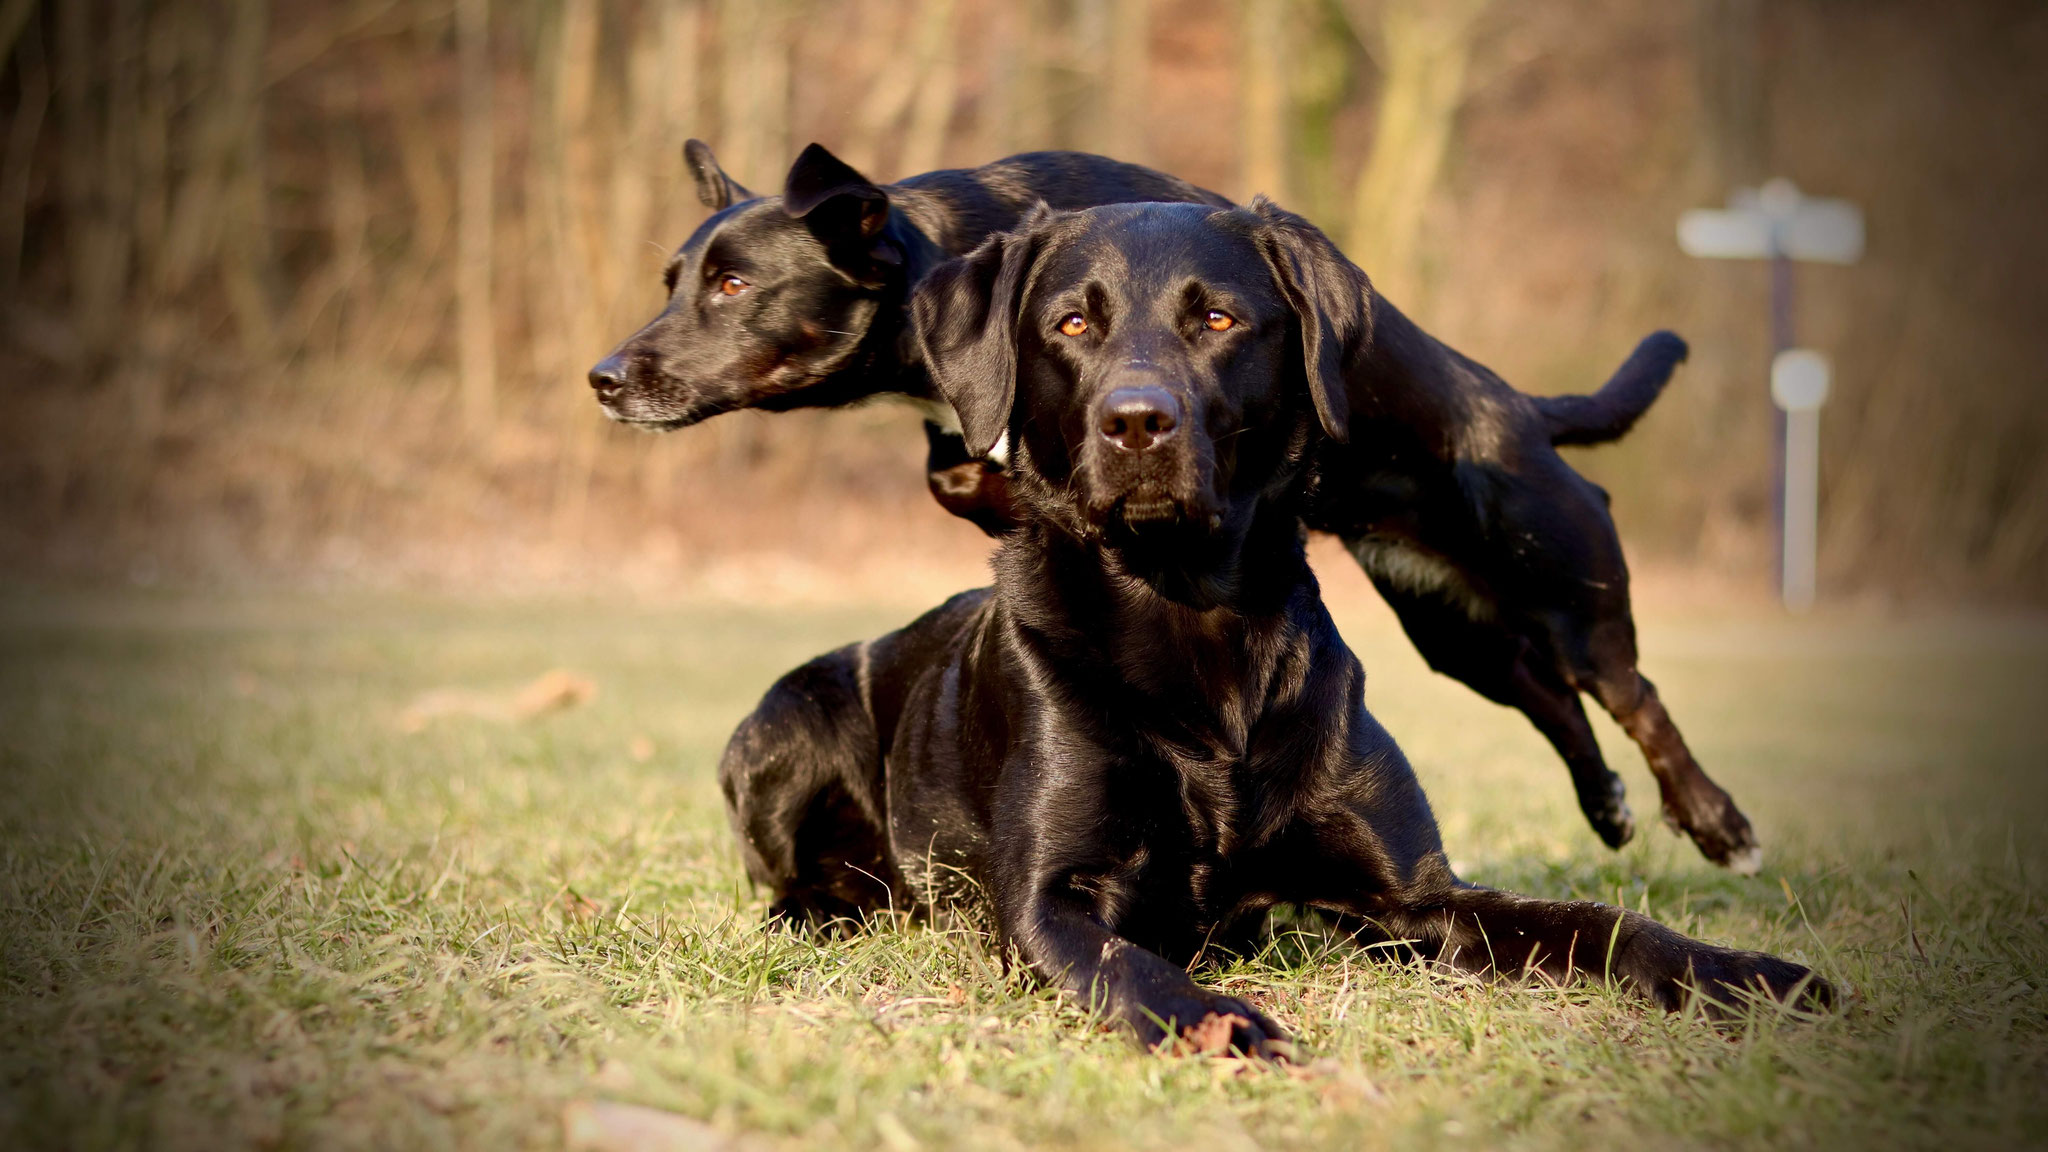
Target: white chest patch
(1422, 572)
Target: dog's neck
(1160, 619)
(891, 346)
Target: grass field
(241, 907)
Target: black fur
(1501, 562)
(1149, 731)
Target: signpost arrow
(1772, 222)
(1778, 223)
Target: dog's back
(959, 207)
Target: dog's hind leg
(802, 783)
(1693, 803)
(1475, 646)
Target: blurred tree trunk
(916, 81)
(570, 187)
(1731, 445)
(578, 250)
(248, 267)
(1731, 138)
(635, 173)
(87, 239)
(348, 207)
(755, 38)
(1123, 75)
(938, 84)
(680, 76)
(156, 106)
(412, 333)
(1424, 51)
(14, 20)
(1018, 114)
(1263, 102)
(677, 75)
(476, 333)
(123, 111)
(224, 180)
(33, 73)
(1108, 54)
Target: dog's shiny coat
(1501, 562)
(1149, 732)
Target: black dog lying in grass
(1149, 731)
(1502, 562)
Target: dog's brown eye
(731, 285)
(1074, 325)
(1219, 321)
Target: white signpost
(1779, 224)
(1799, 384)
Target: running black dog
(1149, 731)
(798, 301)
(1501, 561)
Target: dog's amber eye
(731, 285)
(1219, 321)
(1074, 325)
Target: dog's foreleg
(1496, 933)
(1557, 713)
(1153, 997)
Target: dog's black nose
(609, 377)
(1139, 419)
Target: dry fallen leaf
(579, 908)
(1338, 1084)
(1211, 1037)
(605, 1126)
(556, 690)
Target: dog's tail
(1609, 413)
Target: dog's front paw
(1724, 981)
(1199, 1022)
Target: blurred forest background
(304, 290)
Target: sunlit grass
(240, 907)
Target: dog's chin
(1150, 516)
(661, 414)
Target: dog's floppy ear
(965, 313)
(1332, 301)
(845, 211)
(714, 187)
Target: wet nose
(1139, 419)
(609, 377)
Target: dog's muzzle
(608, 379)
(1143, 456)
